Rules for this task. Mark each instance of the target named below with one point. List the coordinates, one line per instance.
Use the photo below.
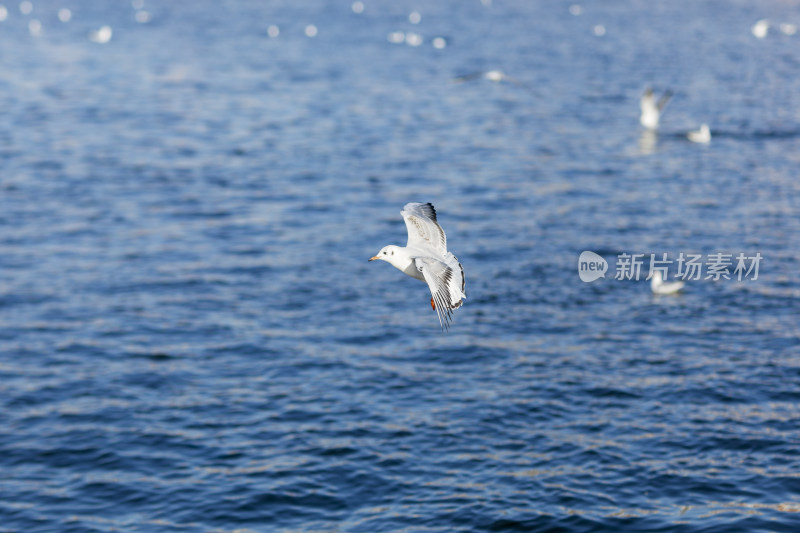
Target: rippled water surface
(192, 339)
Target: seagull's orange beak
(374, 258)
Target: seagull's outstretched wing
(468, 77)
(446, 282)
(424, 232)
(662, 102)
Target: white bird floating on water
(102, 35)
(651, 109)
(425, 257)
(659, 286)
(496, 76)
(788, 28)
(703, 135)
(760, 28)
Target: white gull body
(659, 286)
(652, 109)
(703, 135)
(494, 75)
(425, 257)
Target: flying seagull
(651, 109)
(425, 257)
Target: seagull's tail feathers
(447, 290)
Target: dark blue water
(192, 339)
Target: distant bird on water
(659, 286)
(496, 76)
(702, 136)
(425, 257)
(102, 35)
(652, 109)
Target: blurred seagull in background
(659, 286)
(703, 135)
(760, 28)
(496, 76)
(652, 109)
(102, 35)
(425, 257)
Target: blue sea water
(192, 339)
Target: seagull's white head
(387, 253)
(399, 258)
